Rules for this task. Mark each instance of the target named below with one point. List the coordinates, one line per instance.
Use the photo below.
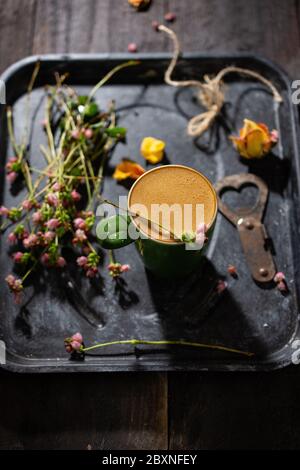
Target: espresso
(172, 200)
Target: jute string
(211, 90)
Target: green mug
(165, 258)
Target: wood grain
(270, 28)
(131, 412)
(76, 411)
(235, 410)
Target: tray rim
(146, 365)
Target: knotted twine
(211, 90)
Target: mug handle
(112, 232)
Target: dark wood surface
(151, 411)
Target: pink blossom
(202, 228)
(201, 234)
(221, 286)
(49, 236)
(15, 285)
(279, 277)
(274, 136)
(24, 234)
(115, 269)
(52, 199)
(17, 257)
(77, 337)
(4, 211)
(12, 238)
(201, 239)
(82, 261)
(132, 47)
(75, 195)
(79, 223)
(11, 176)
(10, 279)
(155, 25)
(10, 163)
(61, 262)
(76, 134)
(75, 345)
(282, 286)
(56, 187)
(52, 224)
(27, 205)
(170, 17)
(45, 258)
(91, 272)
(30, 241)
(125, 268)
(88, 133)
(44, 123)
(37, 217)
(80, 235)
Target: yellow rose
(152, 149)
(255, 140)
(128, 169)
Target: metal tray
(246, 316)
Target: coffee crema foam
(175, 198)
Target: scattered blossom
(88, 133)
(152, 149)
(128, 169)
(52, 224)
(255, 140)
(116, 269)
(231, 269)
(76, 196)
(15, 286)
(74, 343)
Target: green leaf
(91, 110)
(116, 132)
(82, 99)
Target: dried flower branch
(58, 207)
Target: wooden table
(151, 411)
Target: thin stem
(109, 75)
(30, 270)
(11, 132)
(134, 342)
(88, 186)
(49, 131)
(112, 258)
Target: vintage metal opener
(248, 221)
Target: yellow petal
(255, 144)
(240, 145)
(152, 149)
(128, 169)
(248, 127)
(255, 139)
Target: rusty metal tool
(248, 221)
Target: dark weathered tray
(246, 316)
